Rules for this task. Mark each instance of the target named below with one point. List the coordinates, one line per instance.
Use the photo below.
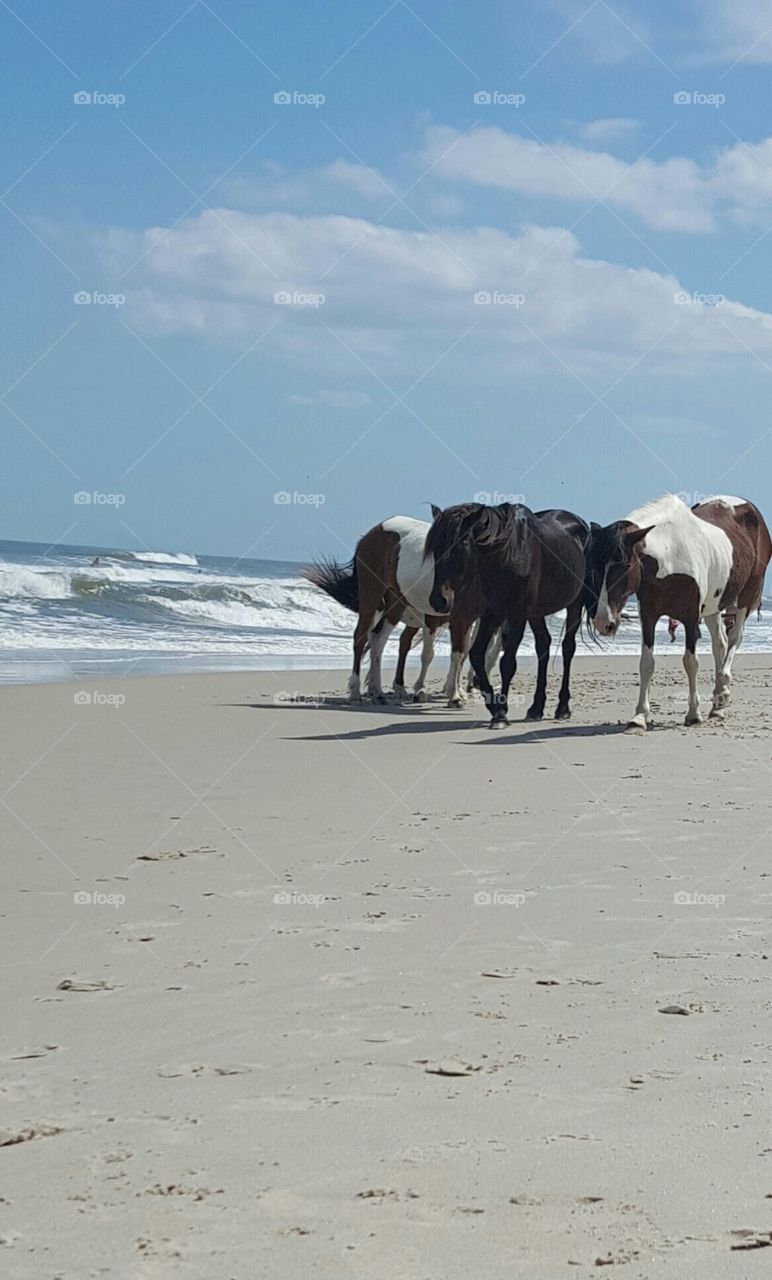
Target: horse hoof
(637, 725)
(379, 700)
(420, 696)
(500, 722)
(718, 713)
(563, 713)
(533, 714)
(693, 718)
(455, 703)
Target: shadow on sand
(411, 720)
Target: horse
(688, 563)
(511, 566)
(388, 580)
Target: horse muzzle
(606, 626)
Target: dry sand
(307, 912)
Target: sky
(274, 273)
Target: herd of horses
(487, 572)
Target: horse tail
(337, 580)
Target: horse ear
(436, 511)
(634, 536)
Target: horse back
(747, 531)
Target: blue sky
(537, 156)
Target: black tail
(338, 580)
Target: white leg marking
(715, 625)
(377, 646)
(646, 671)
(733, 641)
(354, 691)
(691, 667)
(427, 654)
(453, 683)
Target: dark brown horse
(510, 566)
(686, 563)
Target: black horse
(515, 567)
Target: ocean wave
(164, 557)
(60, 605)
(21, 581)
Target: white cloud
(358, 177)
(737, 29)
(307, 188)
(742, 177)
(334, 399)
(610, 129)
(675, 194)
(608, 33)
(401, 299)
(670, 195)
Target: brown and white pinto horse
(686, 563)
(389, 580)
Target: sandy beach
(299, 988)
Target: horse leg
(715, 625)
(427, 655)
(732, 645)
(477, 658)
(378, 637)
(460, 630)
(541, 635)
(493, 651)
(691, 667)
(405, 644)
(513, 634)
(361, 636)
(573, 619)
(470, 641)
(646, 671)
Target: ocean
(68, 612)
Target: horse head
(613, 562)
(450, 542)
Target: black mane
(503, 531)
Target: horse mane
(658, 510)
(503, 531)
